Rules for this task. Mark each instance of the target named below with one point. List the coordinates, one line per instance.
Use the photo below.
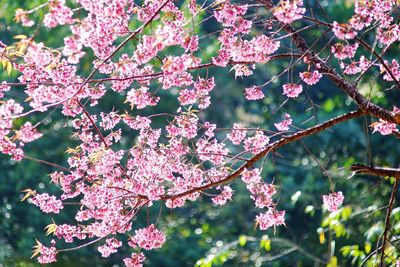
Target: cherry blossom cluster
(136, 260)
(46, 254)
(283, 126)
(109, 247)
(292, 90)
(178, 159)
(384, 127)
(289, 11)
(69, 232)
(333, 200)
(223, 197)
(148, 238)
(254, 93)
(262, 193)
(47, 203)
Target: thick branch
(362, 42)
(376, 171)
(343, 84)
(271, 148)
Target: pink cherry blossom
(211, 151)
(109, 120)
(384, 127)
(251, 176)
(156, 54)
(59, 14)
(343, 31)
(394, 69)
(47, 203)
(254, 93)
(229, 14)
(341, 51)
(147, 49)
(22, 16)
(224, 196)
(333, 200)
(187, 97)
(69, 232)
(137, 122)
(4, 88)
(389, 35)
(270, 218)
(283, 126)
(136, 260)
(175, 203)
(292, 90)
(46, 254)
(237, 134)
(27, 133)
(210, 128)
(352, 69)
(148, 238)
(289, 10)
(141, 98)
(109, 247)
(262, 194)
(311, 78)
(191, 43)
(256, 143)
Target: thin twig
(387, 220)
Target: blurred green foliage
(200, 234)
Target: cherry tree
(188, 158)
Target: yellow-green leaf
(367, 247)
(332, 262)
(28, 193)
(51, 229)
(8, 67)
(20, 36)
(4, 63)
(322, 238)
(242, 240)
(36, 249)
(346, 212)
(267, 245)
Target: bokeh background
(205, 235)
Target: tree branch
(362, 42)
(272, 147)
(376, 171)
(387, 220)
(151, 75)
(343, 84)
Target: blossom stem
(272, 147)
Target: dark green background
(227, 235)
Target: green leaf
(329, 105)
(346, 212)
(367, 247)
(267, 245)
(242, 240)
(9, 67)
(332, 262)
